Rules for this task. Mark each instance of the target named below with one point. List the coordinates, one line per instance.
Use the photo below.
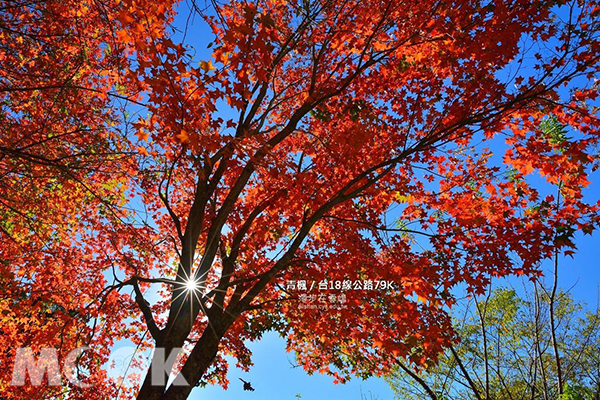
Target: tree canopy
(154, 196)
(506, 351)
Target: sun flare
(191, 285)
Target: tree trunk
(195, 367)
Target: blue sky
(273, 376)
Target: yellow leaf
(207, 66)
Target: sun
(191, 285)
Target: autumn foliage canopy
(430, 144)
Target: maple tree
(130, 167)
(63, 176)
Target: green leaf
(554, 131)
(569, 394)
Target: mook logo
(121, 362)
(26, 363)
